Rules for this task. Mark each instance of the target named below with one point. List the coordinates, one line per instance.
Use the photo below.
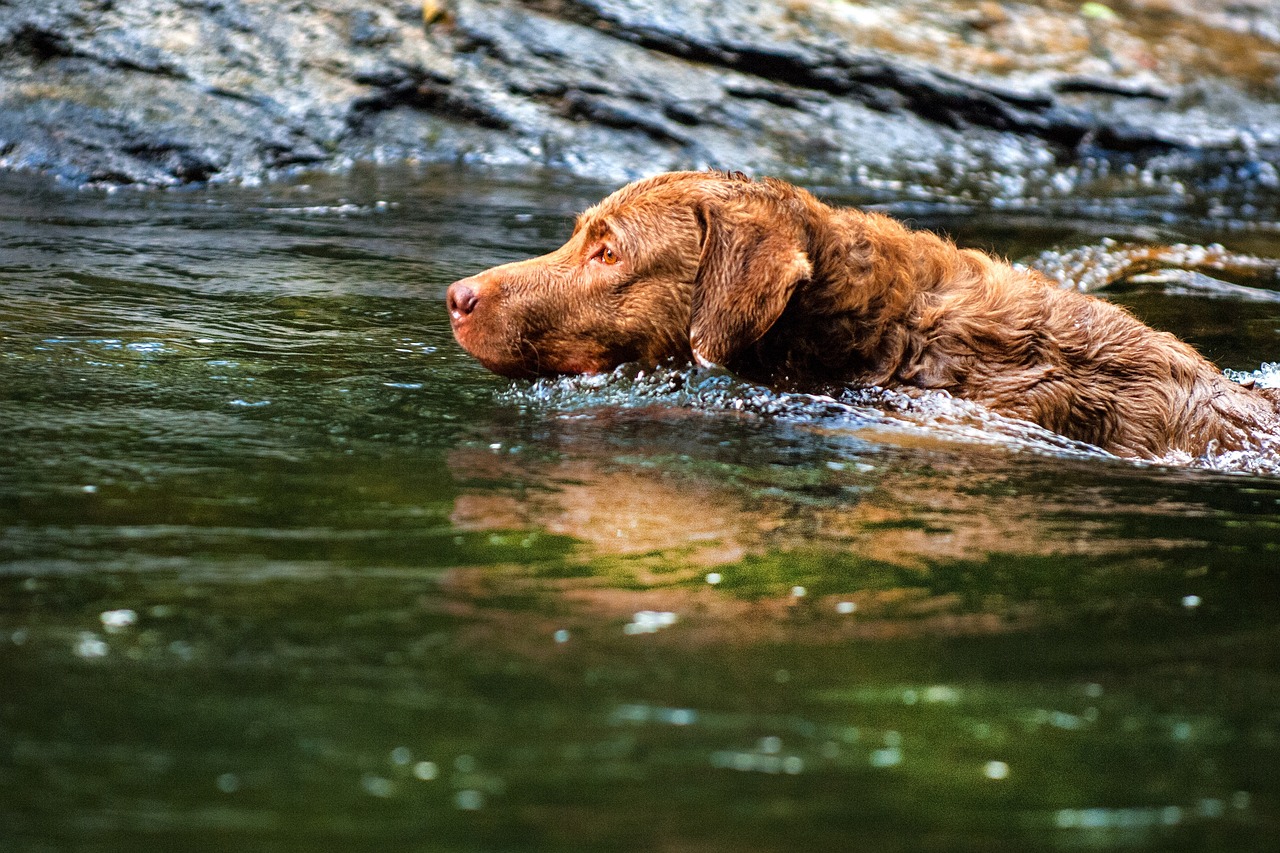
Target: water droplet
(377, 786)
(845, 607)
(89, 646)
(562, 636)
(1211, 808)
(464, 764)
(680, 716)
(768, 763)
(469, 800)
(426, 770)
(1063, 720)
(996, 770)
(942, 694)
(228, 783)
(1191, 601)
(714, 578)
(118, 620)
(887, 757)
(798, 592)
(650, 621)
(401, 755)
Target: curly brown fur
(761, 277)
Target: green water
(281, 568)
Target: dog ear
(750, 266)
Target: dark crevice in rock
(178, 160)
(777, 96)
(299, 151)
(682, 115)
(37, 42)
(233, 95)
(419, 89)
(579, 105)
(602, 105)
(1081, 85)
(111, 176)
(144, 64)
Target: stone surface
(996, 102)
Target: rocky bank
(996, 102)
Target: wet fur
(761, 277)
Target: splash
(1092, 268)
(1266, 376)
(893, 414)
(934, 414)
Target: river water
(282, 568)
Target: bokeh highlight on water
(281, 567)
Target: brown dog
(764, 279)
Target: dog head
(684, 265)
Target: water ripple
(893, 414)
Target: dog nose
(461, 299)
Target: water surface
(282, 568)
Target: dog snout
(461, 299)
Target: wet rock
(998, 102)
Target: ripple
(713, 390)
(859, 412)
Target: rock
(997, 103)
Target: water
(282, 568)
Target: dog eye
(608, 256)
